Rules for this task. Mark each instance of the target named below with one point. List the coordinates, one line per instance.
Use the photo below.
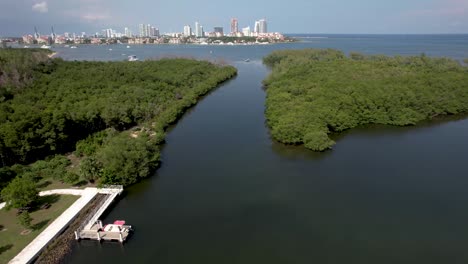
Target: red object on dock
(119, 222)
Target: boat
(73, 47)
(118, 226)
(247, 60)
(110, 49)
(132, 58)
(26, 47)
(67, 46)
(45, 47)
(128, 47)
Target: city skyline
(148, 30)
(319, 16)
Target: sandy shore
(52, 55)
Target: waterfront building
(127, 32)
(187, 31)
(198, 30)
(108, 33)
(219, 31)
(257, 27)
(141, 29)
(262, 26)
(246, 31)
(234, 26)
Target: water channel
(227, 193)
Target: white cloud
(40, 7)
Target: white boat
(110, 49)
(132, 58)
(26, 47)
(73, 47)
(128, 47)
(45, 47)
(247, 60)
(118, 226)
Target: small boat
(247, 60)
(132, 58)
(73, 47)
(45, 47)
(118, 226)
(128, 47)
(67, 46)
(26, 47)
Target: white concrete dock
(31, 251)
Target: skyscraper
(187, 31)
(198, 30)
(246, 31)
(234, 26)
(262, 26)
(141, 29)
(128, 33)
(257, 27)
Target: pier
(93, 229)
(31, 251)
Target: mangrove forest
(314, 93)
(94, 121)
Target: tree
(25, 219)
(21, 192)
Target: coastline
(52, 55)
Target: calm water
(226, 193)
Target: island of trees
(314, 93)
(100, 122)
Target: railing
(91, 215)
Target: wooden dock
(92, 228)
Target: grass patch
(11, 240)
(51, 184)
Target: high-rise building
(234, 26)
(262, 26)
(219, 30)
(198, 30)
(141, 30)
(247, 32)
(156, 32)
(187, 31)
(148, 30)
(257, 27)
(127, 32)
(109, 33)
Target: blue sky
(18, 17)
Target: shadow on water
(376, 130)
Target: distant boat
(128, 47)
(45, 47)
(132, 58)
(73, 47)
(67, 46)
(110, 49)
(26, 47)
(247, 60)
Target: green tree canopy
(21, 192)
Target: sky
(18, 17)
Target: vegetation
(20, 193)
(12, 237)
(313, 93)
(25, 219)
(113, 114)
